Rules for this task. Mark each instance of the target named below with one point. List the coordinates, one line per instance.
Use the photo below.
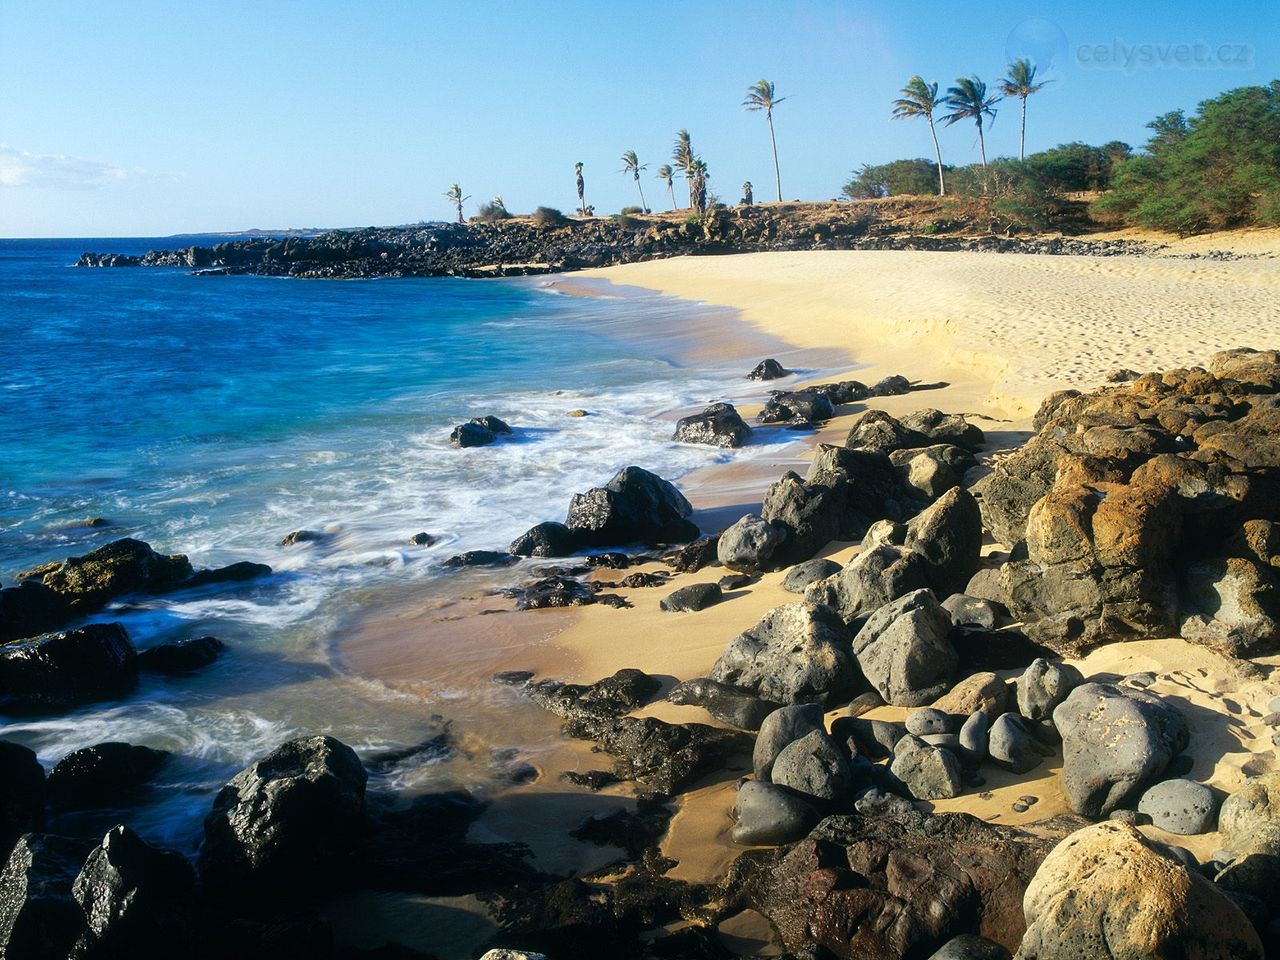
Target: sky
(138, 118)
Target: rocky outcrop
(181, 656)
(286, 824)
(797, 407)
(636, 506)
(808, 514)
(21, 794)
(101, 775)
(798, 652)
(123, 566)
(549, 539)
(735, 707)
(39, 919)
(719, 425)
(903, 650)
(769, 369)
(1107, 892)
(57, 670)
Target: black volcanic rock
(102, 774)
(767, 370)
(88, 583)
(548, 539)
(636, 506)
(719, 425)
(57, 670)
(182, 656)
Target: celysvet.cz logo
(1119, 54)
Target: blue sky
(151, 118)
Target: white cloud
(56, 172)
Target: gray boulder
(768, 815)
(810, 514)
(814, 766)
(1180, 806)
(929, 772)
(904, 652)
(927, 720)
(735, 707)
(719, 425)
(797, 652)
(933, 470)
(971, 611)
(1044, 685)
(810, 571)
(941, 427)
(948, 535)
(870, 580)
(1115, 741)
(877, 430)
(779, 729)
(1012, 744)
(749, 544)
(1250, 818)
(694, 597)
(970, 946)
(975, 738)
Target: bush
(1074, 167)
(549, 217)
(898, 178)
(627, 221)
(489, 212)
(631, 210)
(1217, 170)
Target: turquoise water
(212, 415)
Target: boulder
(635, 506)
(1249, 819)
(874, 739)
(780, 728)
(904, 652)
(939, 427)
(875, 802)
(974, 739)
(967, 946)
(58, 670)
(749, 544)
(767, 370)
(872, 579)
(929, 772)
(719, 425)
(1180, 806)
(927, 720)
(240, 572)
(887, 887)
(39, 920)
(797, 652)
(1012, 744)
(1232, 605)
(932, 470)
(551, 592)
(810, 514)
(480, 558)
(729, 704)
(877, 430)
(21, 794)
(693, 556)
(984, 692)
(549, 539)
(970, 611)
(800, 406)
(1107, 892)
(802, 574)
(948, 535)
(814, 766)
(1044, 685)
(124, 566)
(871, 487)
(30, 609)
(492, 424)
(137, 900)
(285, 825)
(768, 815)
(102, 775)
(181, 656)
(694, 597)
(1115, 742)
(471, 434)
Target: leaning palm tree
(682, 159)
(631, 164)
(920, 99)
(968, 100)
(668, 175)
(761, 96)
(1021, 83)
(582, 198)
(454, 196)
(699, 175)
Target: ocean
(213, 415)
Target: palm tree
(1021, 83)
(682, 159)
(747, 199)
(699, 175)
(631, 164)
(666, 173)
(582, 199)
(968, 100)
(920, 99)
(760, 96)
(454, 196)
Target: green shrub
(627, 221)
(490, 212)
(897, 178)
(549, 217)
(630, 210)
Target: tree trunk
(937, 152)
(777, 177)
(644, 207)
(672, 190)
(689, 180)
(982, 144)
(459, 206)
(1022, 140)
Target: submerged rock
(182, 656)
(548, 539)
(767, 370)
(471, 434)
(124, 566)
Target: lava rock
(874, 578)
(779, 729)
(548, 539)
(984, 692)
(30, 609)
(729, 704)
(929, 772)
(768, 815)
(810, 571)
(102, 775)
(1115, 741)
(232, 573)
(56, 670)
(1249, 819)
(492, 424)
(767, 370)
(927, 720)
(22, 790)
(951, 428)
(969, 946)
(124, 566)
(481, 558)
(810, 514)
(1183, 807)
(1044, 685)
(748, 544)
(875, 802)
(39, 920)
(693, 556)
(814, 766)
(635, 506)
(948, 535)
(694, 597)
(904, 652)
(975, 738)
(301, 536)
(1232, 605)
(285, 825)
(797, 652)
(181, 656)
(800, 406)
(1012, 744)
(871, 738)
(551, 592)
(471, 435)
(719, 425)
(933, 470)
(971, 611)
(877, 430)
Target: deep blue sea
(212, 415)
